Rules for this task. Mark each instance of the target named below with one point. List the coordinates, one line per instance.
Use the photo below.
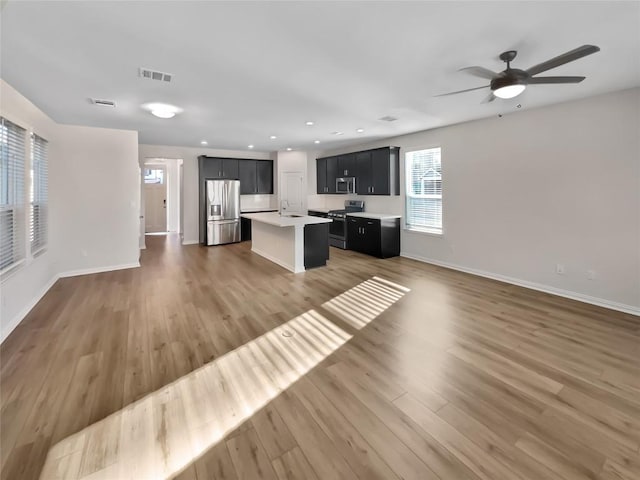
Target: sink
(291, 215)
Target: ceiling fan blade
(461, 91)
(574, 54)
(549, 80)
(490, 98)
(479, 72)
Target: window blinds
(38, 229)
(12, 199)
(424, 190)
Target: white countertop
(258, 209)
(274, 218)
(377, 216)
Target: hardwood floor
(214, 363)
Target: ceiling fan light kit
(511, 82)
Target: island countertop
(274, 218)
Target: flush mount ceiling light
(273, 137)
(316, 141)
(309, 124)
(360, 130)
(204, 142)
(249, 146)
(289, 149)
(162, 110)
(337, 133)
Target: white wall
(99, 196)
(18, 291)
(93, 205)
(292, 162)
(189, 155)
(522, 193)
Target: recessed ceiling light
(273, 137)
(308, 124)
(388, 118)
(289, 149)
(249, 146)
(162, 110)
(204, 142)
(316, 141)
(337, 133)
(360, 130)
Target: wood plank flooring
(214, 363)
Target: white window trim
(415, 229)
(9, 271)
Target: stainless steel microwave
(346, 185)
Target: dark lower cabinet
(316, 245)
(377, 237)
(245, 229)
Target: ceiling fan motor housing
(512, 76)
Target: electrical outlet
(591, 274)
(560, 269)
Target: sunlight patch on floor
(359, 305)
(161, 434)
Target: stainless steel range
(338, 228)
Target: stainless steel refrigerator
(223, 211)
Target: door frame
(175, 202)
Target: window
(38, 232)
(424, 190)
(154, 176)
(12, 200)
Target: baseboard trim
(89, 271)
(189, 242)
(600, 302)
(15, 321)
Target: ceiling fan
(512, 81)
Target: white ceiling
(244, 71)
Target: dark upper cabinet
(256, 176)
(327, 172)
(347, 165)
(363, 165)
(264, 175)
(230, 168)
(376, 171)
(213, 167)
(332, 174)
(248, 177)
(321, 175)
(382, 182)
(210, 167)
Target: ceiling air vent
(388, 118)
(154, 74)
(103, 103)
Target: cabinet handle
(373, 189)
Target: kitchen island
(295, 242)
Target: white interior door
(292, 193)
(155, 199)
